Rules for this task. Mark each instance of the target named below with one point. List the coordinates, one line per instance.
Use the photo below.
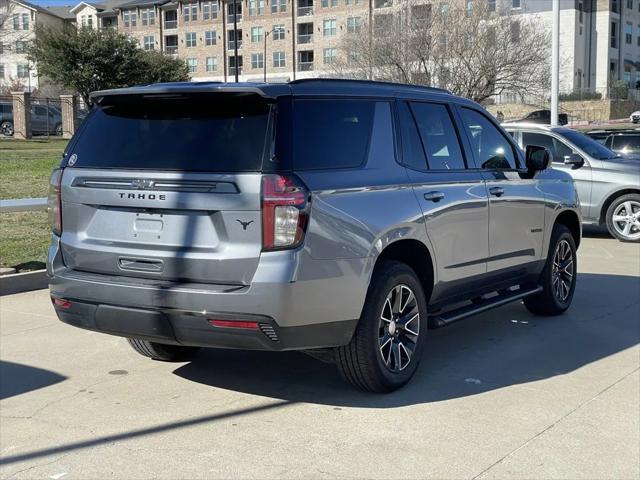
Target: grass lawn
(25, 167)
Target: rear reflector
(234, 324)
(60, 302)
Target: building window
(125, 16)
(134, 19)
(352, 2)
(614, 35)
(279, 60)
(212, 64)
(329, 3)
(210, 38)
(253, 7)
(16, 22)
(2, 70)
(329, 55)
(580, 11)
(192, 65)
(23, 71)
(261, 7)
(149, 42)
(25, 21)
(278, 6)
(516, 4)
(329, 28)
(231, 37)
(354, 24)
(278, 32)
(90, 21)
(257, 34)
(628, 33)
(305, 60)
(232, 65)
(257, 60)
(614, 6)
(630, 4)
(190, 38)
(190, 12)
(21, 46)
(627, 75)
(210, 10)
(491, 5)
(148, 16)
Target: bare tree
(466, 48)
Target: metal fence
(46, 117)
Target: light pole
(555, 62)
(264, 63)
(235, 37)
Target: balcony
(232, 71)
(307, 38)
(305, 11)
(230, 18)
(170, 24)
(231, 44)
(305, 66)
(171, 49)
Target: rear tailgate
(168, 189)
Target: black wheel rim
(399, 328)
(563, 273)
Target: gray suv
(608, 185)
(340, 218)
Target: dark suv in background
(45, 119)
(340, 218)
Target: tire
(623, 218)
(377, 359)
(558, 278)
(6, 128)
(160, 351)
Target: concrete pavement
(502, 395)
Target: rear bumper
(183, 328)
(298, 303)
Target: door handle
(434, 196)
(496, 191)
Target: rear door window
(198, 133)
(492, 149)
(438, 135)
(341, 133)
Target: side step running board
(441, 320)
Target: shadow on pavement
(16, 379)
(498, 349)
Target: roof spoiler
(177, 89)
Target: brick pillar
(21, 114)
(69, 104)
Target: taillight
(54, 202)
(284, 211)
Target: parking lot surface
(500, 395)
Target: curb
(23, 282)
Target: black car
(544, 117)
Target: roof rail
(371, 82)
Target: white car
(635, 117)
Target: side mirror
(537, 158)
(575, 160)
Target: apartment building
(599, 41)
(18, 20)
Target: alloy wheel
(399, 328)
(563, 272)
(626, 220)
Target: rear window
(341, 133)
(195, 133)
